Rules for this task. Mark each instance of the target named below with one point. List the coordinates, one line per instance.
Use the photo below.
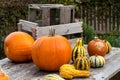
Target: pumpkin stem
(96, 38)
(51, 31)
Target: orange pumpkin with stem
(18, 46)
(97, 46)
(51, 52)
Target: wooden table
(28, 71)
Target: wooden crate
(61, 29)
(51, 14)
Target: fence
(104, 20)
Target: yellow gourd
(109, 46)
(82, 63)
(68, 71)
(78, 50)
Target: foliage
(88, 32)
(113, 39)
(10, 13)
(13, 10)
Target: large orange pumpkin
(97, 47)
(3, 75)
(18, 46)
(51, 52)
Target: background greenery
(13, 10)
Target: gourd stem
(80, 42)
(51, 31)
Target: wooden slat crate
(62, 29)
(51, 14)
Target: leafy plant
(88, 32)
(113, 38)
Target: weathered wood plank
(64, 16)
(31, 14)
(28, 71)
(27, 25)
(48, 12)
(46, 16)
(63, 29)
(111, 67)
(40, 6)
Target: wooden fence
(103, 20)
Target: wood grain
(28, 71)
(62, 29)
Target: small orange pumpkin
(97, 46)
(18, 46)
(51, 52)
(3, 75)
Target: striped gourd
(109, 47)
(78, 50)
(82, 63)
(97, 61)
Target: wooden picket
(103, 21)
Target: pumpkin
(97, 46)
(97, 61)
(53, 77)
(82, 63)
(18, 46)
(3, 75)
(78, 50)
(68, 71)
(109, 46)
(50, 52)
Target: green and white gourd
(78, 50)
(52, 77)
(97, 61)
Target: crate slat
(62, 29)
(26, 25)
(65, 15)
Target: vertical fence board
(106, 22)
(110, 19)
(102, 20)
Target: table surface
(29, 71)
